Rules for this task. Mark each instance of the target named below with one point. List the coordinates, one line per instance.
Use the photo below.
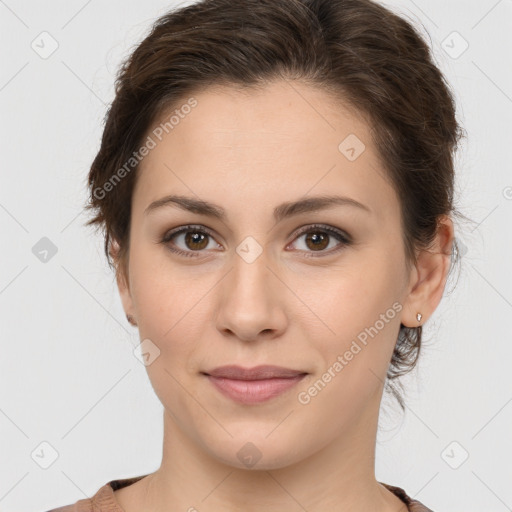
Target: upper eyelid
(301, 230)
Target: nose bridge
(251, 275)
(251, 299)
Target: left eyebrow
(284, 210)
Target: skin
(249, 152)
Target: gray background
(69, 377)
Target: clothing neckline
(105, 496)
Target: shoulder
(80, 506)
(83, 505)
(103, 500)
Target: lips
(256, 373)
(253, 385)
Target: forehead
(280, 114)
(262, 146)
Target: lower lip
(254, 391)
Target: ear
(428, 277)
(122, 278)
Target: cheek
(345, 301)
(159, 290)
(172, 311)
(355, 359)
(356, 325)
(171, 315)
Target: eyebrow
(284, 210)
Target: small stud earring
(131, 319)
(419, 316)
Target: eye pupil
(195, 237)
(317, 239)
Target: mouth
(253, 385)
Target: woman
(275, 181)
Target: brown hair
(370, 58)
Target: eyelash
(314, 228)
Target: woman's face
(252, 289)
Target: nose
(252, 300)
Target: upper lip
(255, 373)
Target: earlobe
(122, 281)
(429, 276)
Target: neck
(338, 477)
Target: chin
(255, 451)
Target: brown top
(105, 501)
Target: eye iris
(319, 241)
(195, 237)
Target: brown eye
(195, 240)
(189, 241)
(318, 238)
